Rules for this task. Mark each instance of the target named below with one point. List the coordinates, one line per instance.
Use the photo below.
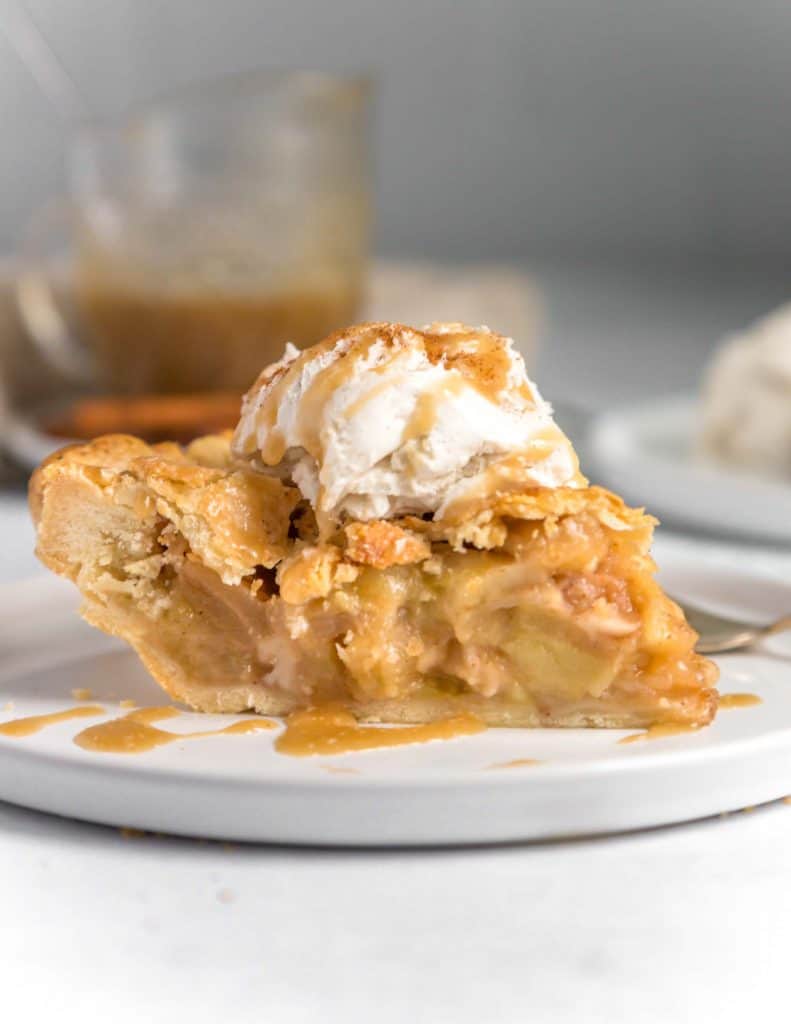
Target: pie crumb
(82, 693)
(132, 833)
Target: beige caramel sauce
(511, 474)
(321, 389)
(660, 731)
(486, 369)
(274, 447)
(479, 357)
(334, 730)
(518, 762)
(360, 403)
(739, 700)
(484, 366)
(35, 723)
(311, 403)
(324, 730)
(427, 406)
(197, 338)
(322, 385)
(135, 732)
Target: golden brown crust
(380, 544)
(485, 522)
(311, 572)
(233, 518)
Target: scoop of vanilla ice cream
(381, 420)
(747, 399)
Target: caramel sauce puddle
(660, 731)
(324, 730)
(518, 762)
(739, 700)
(19, 727)
(135, 732)
(334, 730)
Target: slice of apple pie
(397, 525)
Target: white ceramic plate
(238, 788)
(645, 453)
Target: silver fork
(719, 634)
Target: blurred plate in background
(646, 453)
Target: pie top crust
(236, 519)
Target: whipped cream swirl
(382, 420)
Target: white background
(684, 924)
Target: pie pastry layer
(536, 608)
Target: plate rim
(615, 438)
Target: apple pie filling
(562, 623)
(534, 608)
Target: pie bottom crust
(539, 608)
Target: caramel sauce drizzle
(360, 403)
(274, 447)
(479, 359)
(512, 473)
(334, 730)
(322, 387)
(427, 404)
(739, 700)
(660, 731)
(325, 730)
(519, 762)
(35, 723)
(135, 732)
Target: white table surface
(691, 923)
